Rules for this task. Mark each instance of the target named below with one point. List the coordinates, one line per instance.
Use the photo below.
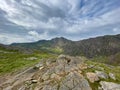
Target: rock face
(109, 86)
(74, 81)
(64, 74)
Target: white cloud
(44, 19)
(33, 35)
(11, 38)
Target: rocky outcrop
(65, 73)
(62, 73)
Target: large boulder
(101, 74)
(109, 85)
(112, 76)
(92, 77)
(74, 81)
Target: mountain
(104, 45)
(55, 45)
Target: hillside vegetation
(13, 60)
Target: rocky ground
(63, 73)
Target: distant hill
(104, 45)
(54, 46)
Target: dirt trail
(16, 79)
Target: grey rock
(37, 66)
(55, 76)
(101, 74)
(34, 81)
(109, 85)
(45, 76)
(47, 87)
(31, 58)
(59, 69)
(74, 81)
(112, 76)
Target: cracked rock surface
(63, 74)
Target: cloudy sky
(32, 20)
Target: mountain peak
(59, 38)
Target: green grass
(56, 50)
(11, 61)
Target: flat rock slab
(109, 85)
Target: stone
(101, 74)
(74, 81)
(47, 87)
(41, 68)
(109, 85)
(112, 76)
(34, 81)
(92, 77)
(32, 58)
(49, 62)
(80, 72)
(61, 61)
(45, 76)
(56, 77)
(82, 66)
(38, 66)
(59, 69)
(63, 87)
(61, 56)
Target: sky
(33, 20)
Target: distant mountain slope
(104, 45)
(55, 45)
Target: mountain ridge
(103, 45)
